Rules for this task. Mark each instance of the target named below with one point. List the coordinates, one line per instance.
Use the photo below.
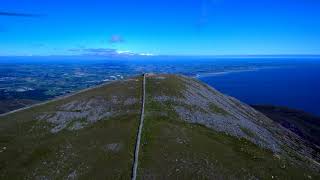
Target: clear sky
(163, 27)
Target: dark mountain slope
(301, 123)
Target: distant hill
(305, 125)
(190, 131)
(10, 101)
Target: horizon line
(150, 56)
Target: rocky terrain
(79, 113)
(201, 104)
(191, 131)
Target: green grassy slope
(190, 132)
(175, 149)
(102, 149)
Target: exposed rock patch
(130, 101)
(72, 175)
(204, 105)
(160, 77)
(114, 147)
(77, 114)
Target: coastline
(202, 75)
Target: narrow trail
(137, 146)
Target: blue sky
(162, 27)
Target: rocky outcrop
(79, 113)
(198, 103)
(204, 105)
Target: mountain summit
(183, 129)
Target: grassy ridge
(100, 150)
(174, 149)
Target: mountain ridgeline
(190, 131)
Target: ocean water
(296, 86)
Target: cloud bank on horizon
(106, 52)
(16, 14)
(167, 27)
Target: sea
(295, 86)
